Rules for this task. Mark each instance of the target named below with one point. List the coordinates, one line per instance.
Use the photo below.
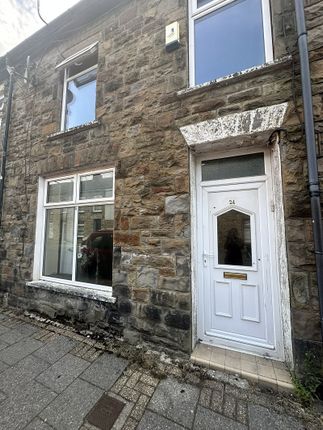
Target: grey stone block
(152, 421)
(19, 409)
(206, 420)
(261, 418)
(14, 353)
(3, 329)
(176, 401)
(38, 424)
(27, 329)
(56, 349)
(69, 409)
(15, 378)
(3, 366)
(3, 345)
(62, 373)
(177, 204)
(105, 371)
(12, 336)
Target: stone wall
(140, 113)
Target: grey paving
(3, 366)
(12, 336)
(2, 396)
(206, 420)
(261, 418)
(152, 421)
(176, 401)
(14, 353)
(69, 409)
(3, 345)
(27, 329)
(61, 374)
(56, 349)
(38, 424)
(19, 409)
(14, 378)
(105, 371)
(3, 329)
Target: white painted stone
(239, 124)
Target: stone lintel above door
(243, 129)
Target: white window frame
(67, 79)
(196, 13)
(77, 203)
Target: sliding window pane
(96, 186)
(58, 248)
(95, 244)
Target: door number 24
(232, 202)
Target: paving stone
(242, 412)
(56, 349)
(2, 396)
(217, 401)
(38, 424)
(206, 420)
(175, 400)
(129, 394)
(27, 329)
(23, 372)
(3, 366)
(145, 389)
(69, 409)
(11, 336)
(229, 406)
(18, 351)
(3, 329)
(19, 409)
(261, 418)
(3, 345)
(61, 374)
(205, 397)
(149, 380)
(152, 421)
(105, 371)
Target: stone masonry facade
(139, 112)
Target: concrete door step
(263, 371)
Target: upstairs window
(79, 89)
(228, 36)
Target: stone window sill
(88, 293)
(74, 130)
(236, 77)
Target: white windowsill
(244, 73)
(88, 293)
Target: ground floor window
(77, 229)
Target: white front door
(238, 292)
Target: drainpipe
(314, 186)
(5, 141)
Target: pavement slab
(3, 329)
(152, 421)
(56, 349)
(12, 336)
(15, 378)
(105, 371)
(14, 353)
(207, 420)
(61, 374)
(18, 410)
(175, 400)
(261, 418)
(69, 409)
(38, 424)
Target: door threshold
(263, 371)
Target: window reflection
(95, 246)
(234, 239)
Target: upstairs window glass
(79, 92)
(228, 37)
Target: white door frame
(278, 245)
